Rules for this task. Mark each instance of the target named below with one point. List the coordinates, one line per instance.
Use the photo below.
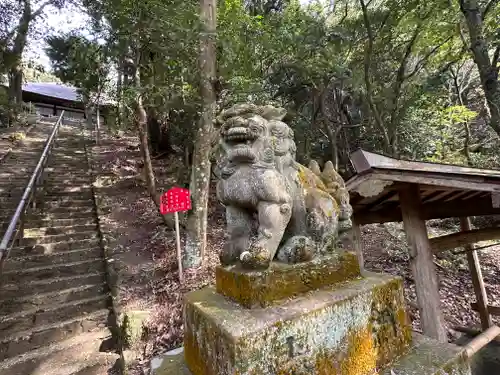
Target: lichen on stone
(344, 331)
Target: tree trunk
(87, 109)
(487, 71)
(98, 126)
(16, 69)
(16, 83)
(333, 136)
(196, 240)
(142, 130)
(119, 95)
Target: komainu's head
(245, 132)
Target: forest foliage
(404, 69)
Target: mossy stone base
(426, 357)
(281, 281)
(351, 330)
(429, 357)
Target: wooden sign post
(174, 201)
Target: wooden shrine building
(384, 189)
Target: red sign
(175, 200)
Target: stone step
(68, 357)
(62, 152)
(16, 181)
(54, 271)
(65, 179)
(39, 300)
(53, 162)
(8, 203)
(29, 319)
(57, 223)
(77, 166)
(11, 189)
(84, 194)
(13, 170)
(56, 284)
(15, 175)
(48, 231)
(40, 260)
(57, 238)
(54, 247)
(67, 171)
(87, 207)
(18, 160)
(60, 215)
(66, 186)
(54, 173)
(46, 204)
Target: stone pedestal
(316, 318)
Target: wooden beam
(452, 181)
(380, 201)
(481, 341)
(477, 279)
(472, 195)
(422, 265)
(475, 207)
(443, 195)
(431, 195)
(457, 195)
(357, 244)
(493, 310)
(472, 332)
(459, 239)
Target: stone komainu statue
(275, 207)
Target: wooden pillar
(422, 264)
(477, 279)
(356, 243)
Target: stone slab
(429, 357)
(282, 281)
(344, 331)
(171, 362)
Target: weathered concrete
(282, 281)
(351, 330)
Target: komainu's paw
(255, 259)
(297, 249)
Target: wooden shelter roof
(445, 190)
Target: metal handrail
(11, 233)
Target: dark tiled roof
(54, 90)
(57, 90)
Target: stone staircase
(54, 301)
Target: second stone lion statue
(275, 207)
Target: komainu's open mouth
(238, 134)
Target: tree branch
(40, 9)
(488, 7)
(421, 64)
(496, 58)
(367, 63)
(344, 16)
